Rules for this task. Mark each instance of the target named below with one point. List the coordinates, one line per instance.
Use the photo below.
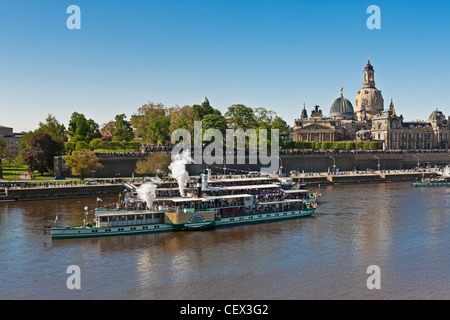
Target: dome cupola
(342, 108)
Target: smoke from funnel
(178, 169)
(147, 193)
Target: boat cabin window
(157, 215)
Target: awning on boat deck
(296, 191)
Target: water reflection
(402, 229)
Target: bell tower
(369, 100)
(369, 76)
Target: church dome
(342, 108)
(436, 115)
(369, 100)
(205, 101)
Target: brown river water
(403, 230)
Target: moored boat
(443, 180)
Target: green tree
(69, 146)
(40, 151)
(96, 144)
(241, 117)
(214, 121)
(24, 141)
(157, 163)
(201, 111)
(282, 126)
(159, 130)
(3, 154)
(55, 129)
(82, 162)
(145, 115)
(82, 129)
(123, 131)
(81, 145)
(182, 118)
(262, 115)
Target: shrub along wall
(99, 144)
(330, 145)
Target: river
(405, 231)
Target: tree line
(153, 123)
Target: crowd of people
(149, 148)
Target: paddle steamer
(208, 202)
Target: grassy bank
(13, 173)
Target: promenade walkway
(67, 183)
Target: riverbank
(50, 191)
(60, 192)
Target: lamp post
(280, 170)
(334, 164)
(418, 163)
(378, 162)
(93, 172)
(223, 161)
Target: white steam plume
(147, 193)
(178, 169)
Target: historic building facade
(11, 138)
(370, 121)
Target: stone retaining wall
(124, 166)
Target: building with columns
(370, 121)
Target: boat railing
(128, 220)
(209, 205)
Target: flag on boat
(98, 199)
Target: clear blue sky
(272, 54)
